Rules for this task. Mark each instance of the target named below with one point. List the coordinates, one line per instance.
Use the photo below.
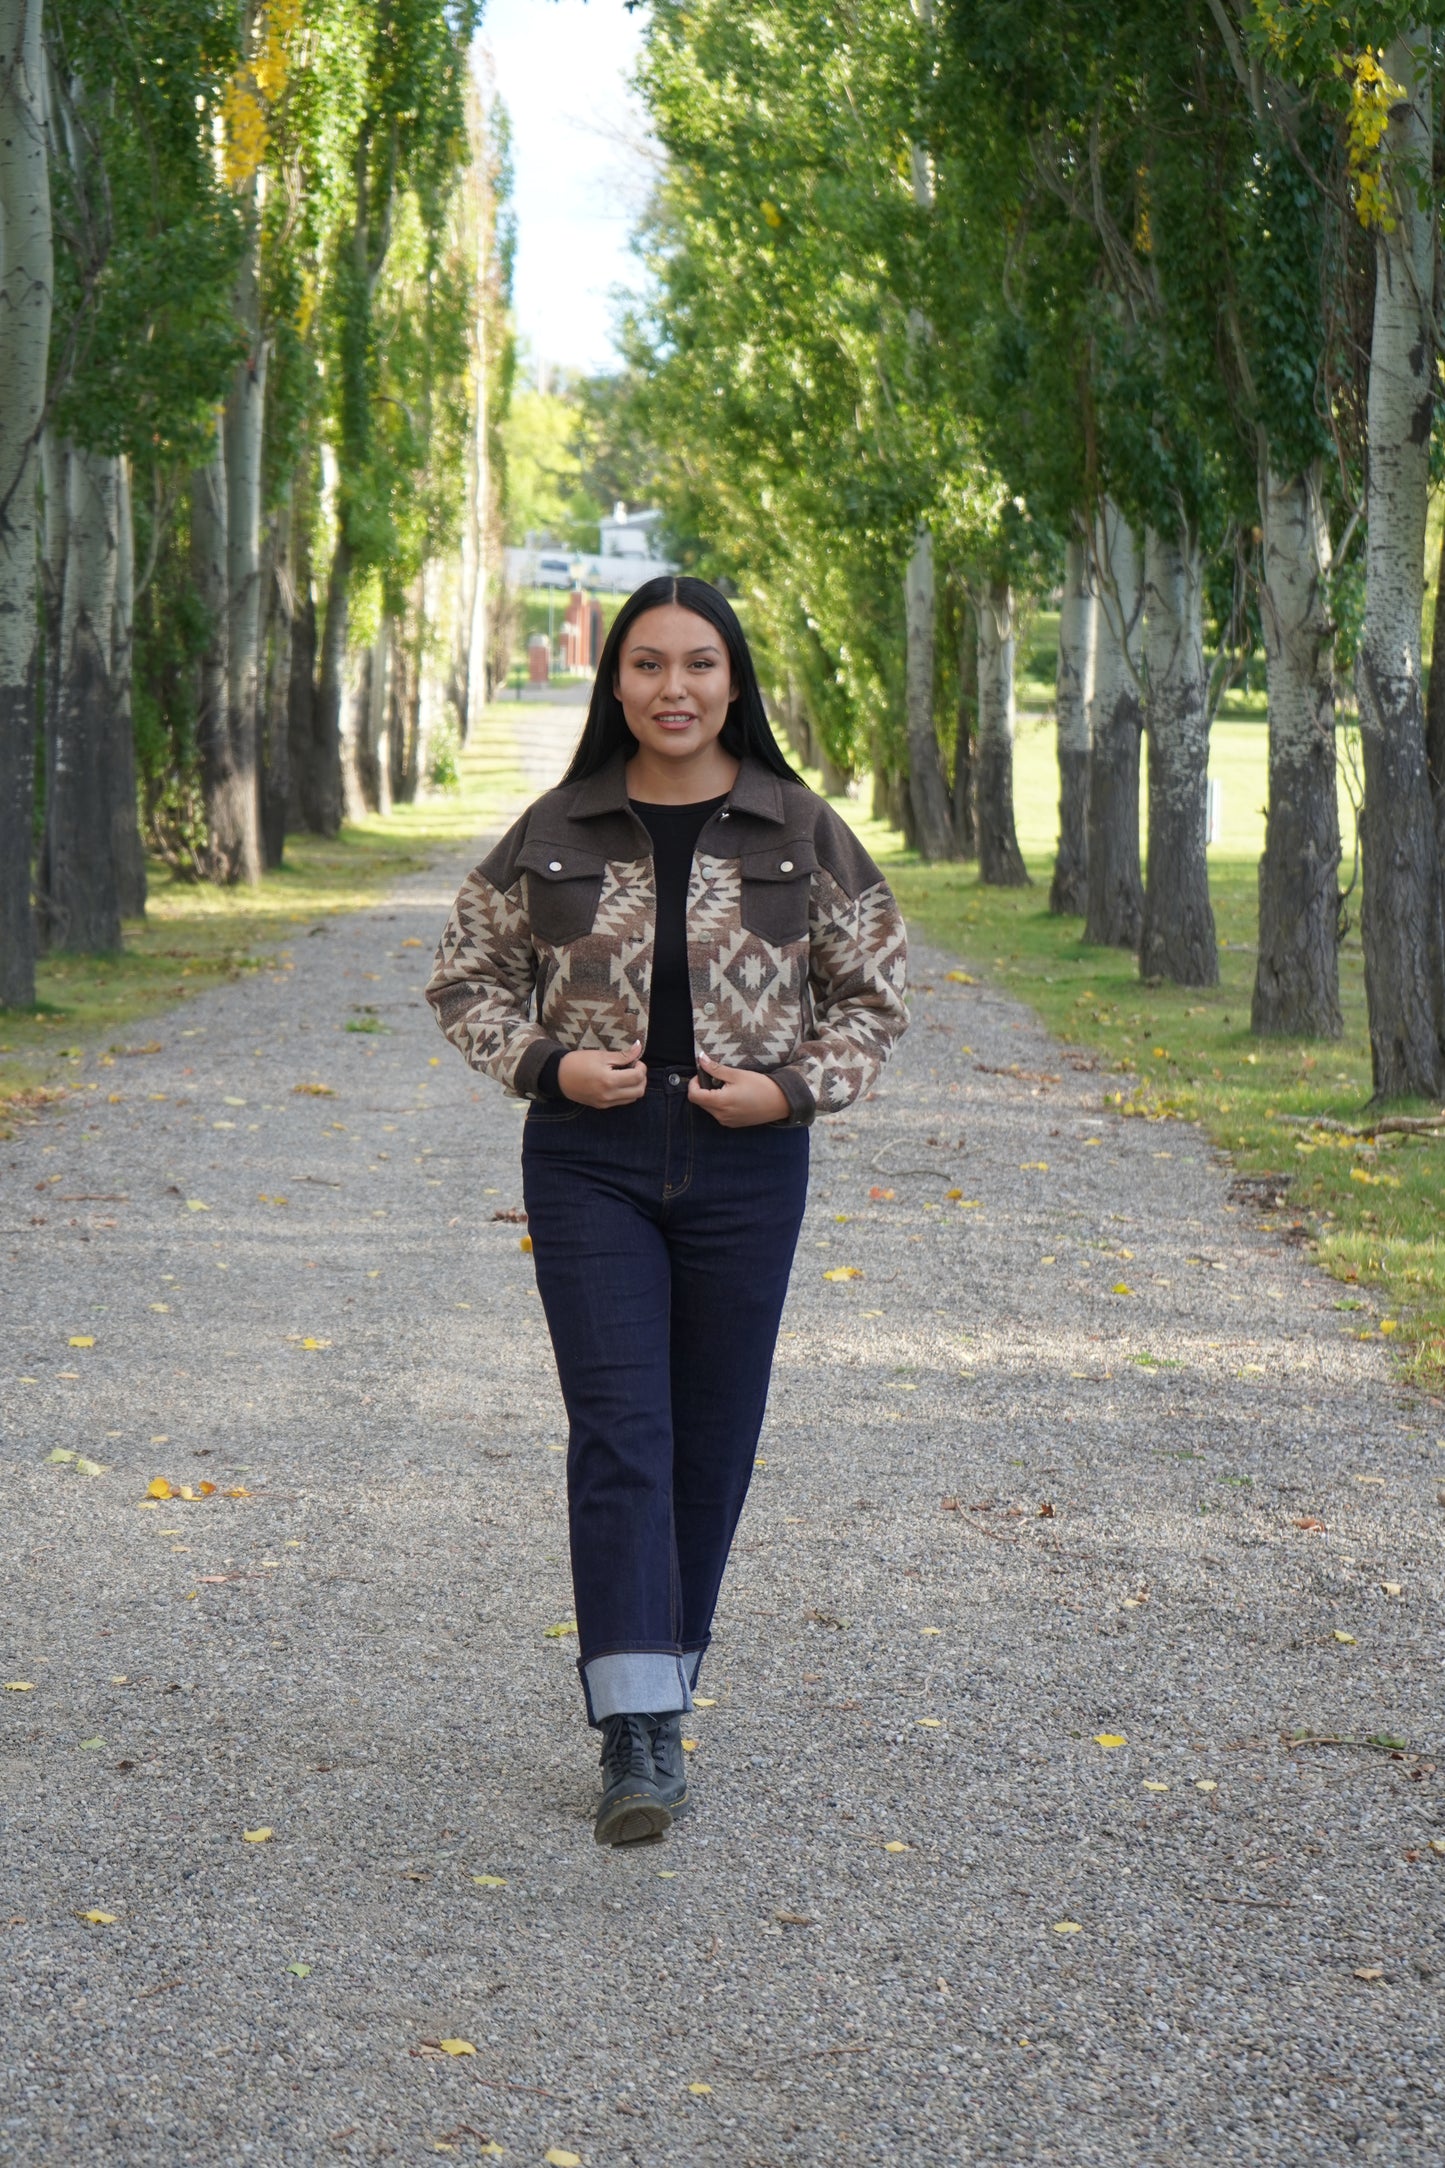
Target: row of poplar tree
(960, 303)
(254, 261)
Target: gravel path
(1021, 1610)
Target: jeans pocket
(547, 1113)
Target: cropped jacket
(796, 949)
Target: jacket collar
(757, 791)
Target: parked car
(554, 572)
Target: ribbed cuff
(802, 1106)
(527, 1076)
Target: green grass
(1370, 1211)
(90, 1009)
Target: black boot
(633, 1806)
(669, 1761)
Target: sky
(578, 137)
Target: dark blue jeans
(662, 1243)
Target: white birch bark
(224, 812)
(1401, 925)
(1073, 726)
(927, 784)
(244, 424)
(1000, 861)
(130, 863)
(26, 283)
(1115, 886)
(81, 899)
(1296, 985)
(1177, 940)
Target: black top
(674, 830)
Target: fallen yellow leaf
(1437, 1844)
(194, 1204)
(313, 1344)
(1149, 1786)
(1369, 1972)
(1120, 1289)
(82, 1339)
(98, 1919)
(1392, 1588)
(1205, 1784)
(561, 1631)
(257, 1836)
(557, 2156)
(689, 1746)
(962, 978)
(929, 1723)
(158, 1487)
(844, 1272)
(1348, 1639)
(19, 1686)
(456, 2047)
(1067, 1927)
(896, 1845)
(1111, 1738)
(698, 2086)
(700, 1701)
(1033, 1166)
(490, 1881)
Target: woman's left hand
(741, 1098)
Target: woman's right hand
(595, 1078)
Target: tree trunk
(301, 724)
(474, 560)
(1177, 940)
(1114, 910)
(373, 715)
(965, 735)
(130, 857)
(26, 277)
(55, 477)
(1000, 861)
(80, 904)
(219, 785)
(1435, 710)
(927, 787)
(330, 691)
(1401, 916)
(245, 416)
(1297, 980)
(280, 616)
(1073, 701)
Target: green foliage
(147, 238)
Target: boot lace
(627, 1747)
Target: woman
(679, 956)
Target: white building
(624, 560)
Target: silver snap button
(709, 1008)
(554, 865)
(786, 866)
(674, 1079)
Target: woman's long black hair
(747, 729)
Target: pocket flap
(787, 861)
(560, 861)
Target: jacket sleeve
(857, 975)
(485, 974)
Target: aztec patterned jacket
(796, 948)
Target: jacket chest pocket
(776, 891)
(564, 887)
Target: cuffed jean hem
(637, 1684)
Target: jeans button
(674, 1079)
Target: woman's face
(674, 679)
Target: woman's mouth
(675, 719)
